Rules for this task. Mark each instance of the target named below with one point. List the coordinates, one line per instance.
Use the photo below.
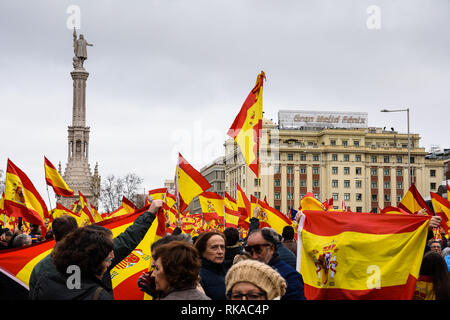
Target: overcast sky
(169, 76)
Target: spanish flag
(231, 212)
(54, 179)
(84, 207)
(95, 214)
(393, 210)
(212, 206)
(247, 126)
(244, 208)
(309, 202)
(22, 198)
(274, 218)
(448, 190)
(412, 202)
(350, 255)
(60, 210)
(189, 183)
(441, 208)
(127, 207)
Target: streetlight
(409, 152)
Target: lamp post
(409, 144)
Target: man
(436, 246)
(21, 240)
(262, 246)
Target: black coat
(230, 253)
(212, 279)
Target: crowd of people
(213, 266)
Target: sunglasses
(257, 248)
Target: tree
(113, 189)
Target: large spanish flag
(189, 183)
(54, 179)
(412, 202)
(22, 198)
(247, 126)
(349, 255)
(441, 208)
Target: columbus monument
(78, 173)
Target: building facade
(364, 167)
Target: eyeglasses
(257, 248)
(248, 296)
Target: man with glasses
(262, 246)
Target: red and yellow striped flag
(126, 207)
(309, 202)
(84, 207)
(412, 202)
(441, 208)
(231, 212)
(54, 179)
(244, 208)
(448, 190)
(95, 214)
(273, 218)
(189, 183)
(22, 198)
(247, 126)
(349, 255)
(212, 206)
(60, 210)
(393, 210)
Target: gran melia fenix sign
(291, 119)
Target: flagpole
(178, 191)
(49, 199)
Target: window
(432, 173)
(333, 142)
(399, 185)
(346, 170)
(358, 158)
(386, 159)
(335, 196)
(412, 159)
(290, 196)
(356, 143)
(344, 143)
(387, 185)
(358, 196)
(374, 210)
(358, 209)
(334, 157)
(315, 157)
(257, 182)
(334, 170)
(277, 196)
(302, 169)
(374, 197)
(276, 182)
(358, 184)
(399, 172)
(302, 157)
(346, 196)
(257, 195)
(399, 159)
(276, 169)
(315, 170)
(334, 183)
(387, 197)
(278, 208)
(374, 185)
(386, 172)
(373, 171)
(358, 170)
(290, 183)
(374, 159)
(399, 198)
(346, 157)
(290, 170)
(290, 156)
(346, 183)
(315, 183)
(432, 185)
(302, 183)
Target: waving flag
(393, 210)
(231, 212)
(22, 198)
(95, 214)
(448, 190)
(247, 126)
(60, 210)
(189, 183)
(244, 208)
(212, 206)
(54, 179)
(274, 218)
(309, 202)
(126, 207)
(84, 207)
(350, 255)
(412, 202)
(441, 208)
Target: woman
(81, 258)
(434, 278)
(254, 280)
(211, 247)
(177, 267)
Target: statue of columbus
(79, 49)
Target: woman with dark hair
(211, 247)
(176, 273)
(434, 278)
(81, 258)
